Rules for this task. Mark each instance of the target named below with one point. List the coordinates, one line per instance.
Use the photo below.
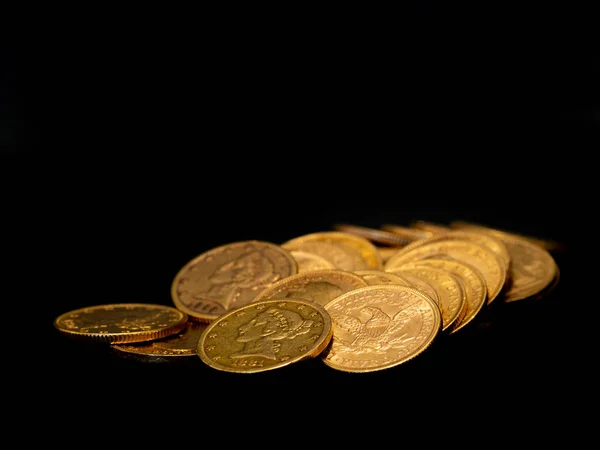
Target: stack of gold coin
(462, 272)
(532, 271)
(264, 303)
(358, 299)
(493, 266)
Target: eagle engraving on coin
(372, 330)
(380, 326)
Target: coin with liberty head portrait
(228, 277)
(266, 335)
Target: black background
(133, 142)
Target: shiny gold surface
(533, 268)
(310, 261)
(318, 286)
(475, 255)
(265, 335)
(380, 327)
(182, 345)
(418, 283)
(449, 288)
(229, 276)
(374, 235)
(374, 277)
(122, 322)
(364, 253)
(473, 283)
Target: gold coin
(449, 288)
(364, 252)
(473, 282)
(374, 277)
(266, 335)
(533, 268)
(308, 261)
(380, 327)
(229, 276)
(546, 244)
(374, 235)
(177, 347)
(490, 242)
(318, 286)
(418, 283)
(473, 254)
(122, 322)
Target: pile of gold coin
(359, 299)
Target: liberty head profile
(243, 274)
(262, 336)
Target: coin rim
(456, 317)
(125, 337)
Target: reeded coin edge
(125, 337)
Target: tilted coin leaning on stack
(359, 299)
